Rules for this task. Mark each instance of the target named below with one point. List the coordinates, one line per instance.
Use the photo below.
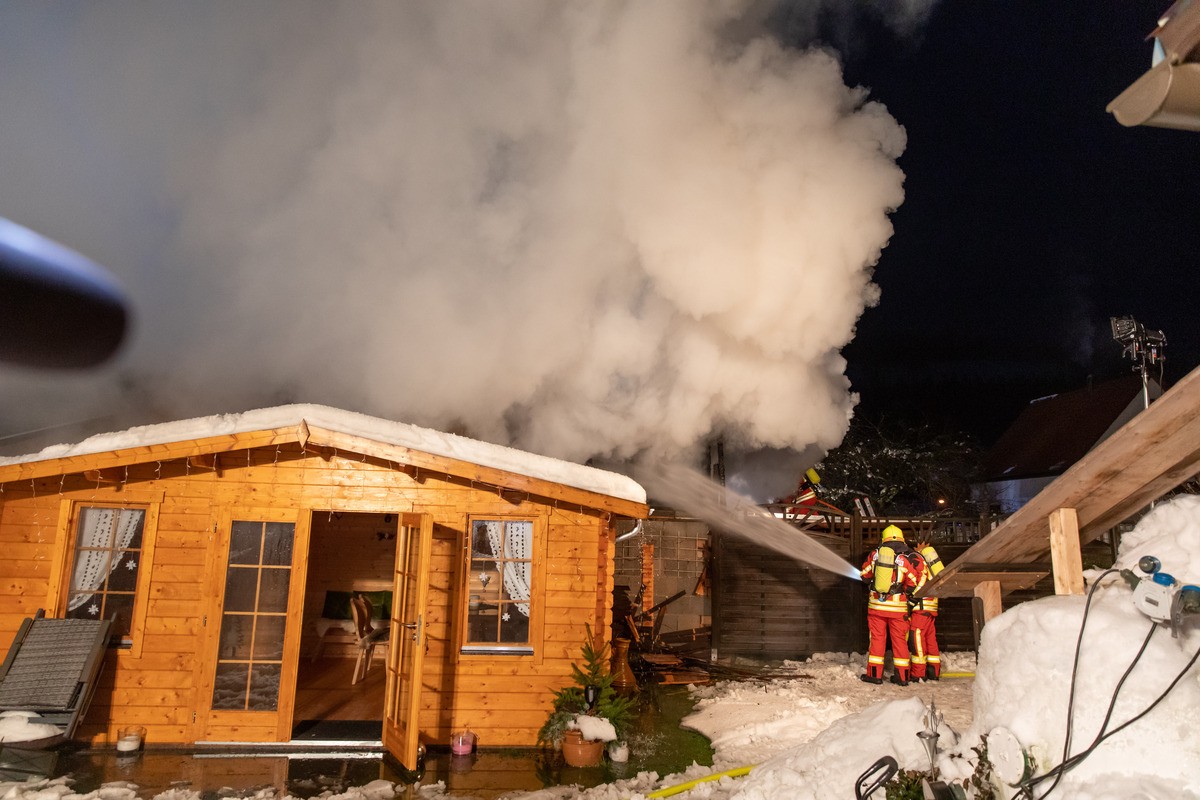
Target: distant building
(1051, 434)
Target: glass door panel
(254, 616)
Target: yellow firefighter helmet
(813, 477)
(893, 534)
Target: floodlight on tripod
(1143, 346)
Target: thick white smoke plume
(582, 228)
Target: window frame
(63, 566)
(532, 647)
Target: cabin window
(499, 574)
(105, 563)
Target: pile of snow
(23, 726)
(1025, 673)
(594, 729)
(750, 722)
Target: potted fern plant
(590, 713)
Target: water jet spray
(689, 491)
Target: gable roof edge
(288, 423)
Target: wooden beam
(209, 461)
(647, 576)
(1155, 451)
(1064, 552)
(101, 476)
(1009, 580)
(141, 454)
(989, 593)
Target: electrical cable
(1071, 762)
(1026, 788)
(1191, 662)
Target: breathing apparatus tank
(932, 559)
(885, 563)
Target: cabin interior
(349, 553)
(352, 554)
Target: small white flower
(131, 564)
(505, 616)
(93, 609)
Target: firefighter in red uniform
(892, 572)
(803, 502)
(922, 622)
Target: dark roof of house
(1054, 432)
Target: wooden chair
(367, 636)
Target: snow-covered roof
(384, 431)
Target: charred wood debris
(672, 657)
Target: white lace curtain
(513, 540)
(100, 528)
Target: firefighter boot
(870, 679)
(900, 678)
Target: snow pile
(829, 764)
(594, 729)
(1026, 663)
(22, 726)
(750, 722)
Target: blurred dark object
(57, 308)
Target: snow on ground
(812, 736)
(749, 722)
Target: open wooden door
(406, 655)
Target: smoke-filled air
(586, 229)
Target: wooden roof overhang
(1149, 456)
(323, 439)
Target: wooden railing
(867, 530)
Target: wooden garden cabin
(220, 544)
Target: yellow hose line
(667, 791)
(957, 675)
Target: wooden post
(989, 593)
(976, 621)
(647, 576)
(1064, 552)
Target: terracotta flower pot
(580, 753)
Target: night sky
(1031, 216)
